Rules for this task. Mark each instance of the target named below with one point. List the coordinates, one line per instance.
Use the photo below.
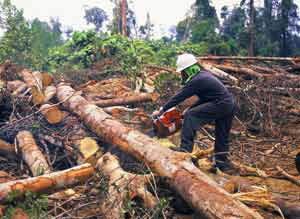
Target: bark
(14, 85)
(47, 79)
(264, 70)
(48, 183)
(31, 154)
(49, 93)
(7, 149)
(52, 113)
(202, 193)
(34, 82)
(138, 98)
(255, 58)
(251, 29)
(121, 186)
(219, 73)
(124, 17)
(288, 176)
(240, 70)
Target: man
(215, 103)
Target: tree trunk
(251, 29)
(219, 73)
(259, 58)
(121, 186)
(35, 82)
(240, 70)
(32, 154)
(124, 17)
(48, 183)
(138, 98)
(49, 93)
(202, 193)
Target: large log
(202, 193)
(240, 70)
(138, 98)
(32, 154)
(219, 73)
(297, 59)
(121, 186)
(47, 183)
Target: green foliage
(23, 42)
(79, 52)
(34, 205)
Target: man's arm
(186, 92)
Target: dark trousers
(199, 115)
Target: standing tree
(96, 16)
(119, 22)
(251, 25)
(16, 40)
(288, 21)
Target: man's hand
(157, 112)
(184, 111)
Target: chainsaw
(168, 123)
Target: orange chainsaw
(168, 123)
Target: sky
(163, 13)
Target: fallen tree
(122, 185)
(47, 183)
(32, 154)
(219, 73)
(202, 193)
(138, 98)
(249, 58)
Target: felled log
(49, 93)
(14, 85)
(202, 193)
(122, 185)
(288, 176)
(219, 73)
(240, 70)
(32, 154)
(297, 59)
(52, 113)
(47, 183)
(87, 148)
(7, 149)
(34, 80)
(264, 70)
(47, 79)
(138, 98)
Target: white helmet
(184, 61)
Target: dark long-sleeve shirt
(204, 85)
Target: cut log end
(52, 114)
